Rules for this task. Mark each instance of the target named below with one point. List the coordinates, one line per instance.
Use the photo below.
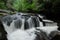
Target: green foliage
(20, 5)
(24, 5)
(2, 5)
(28, 5)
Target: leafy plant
(27, 5)
(24, 5)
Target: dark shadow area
(2, 32)
(57, 37)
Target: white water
(21, 35)
(22, 27)
(29, 34)
(17, 18)
(48, 29)
(9, 29)
(16, 30)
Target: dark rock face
(41, 36)
(57, 37)
(8, 19)
(59, 25)
(2, 32)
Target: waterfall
(23, 26)
(32, 34)
(20, 21)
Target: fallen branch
(6, 12)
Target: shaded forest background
(49, 8)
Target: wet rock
(2, 32)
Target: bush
(27, 5)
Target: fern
(24, 5)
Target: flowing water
(22, 26)
(21, 21)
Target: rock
(2, 32)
